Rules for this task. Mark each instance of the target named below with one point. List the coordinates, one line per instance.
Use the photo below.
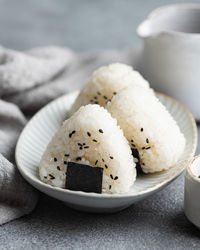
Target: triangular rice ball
(91, 136)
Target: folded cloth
(28, 81)
(16, 196)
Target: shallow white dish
(40, 129)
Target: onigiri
(90, 137)
(106, 82)
(152, 132)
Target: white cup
(192, 191)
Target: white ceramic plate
(40, 129)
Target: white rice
(105, 82)
(148, 127)
(111, 149)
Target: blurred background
(79, 24)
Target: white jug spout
(153, 27)
(146, 30)
(173, 20)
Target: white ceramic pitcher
(171, 54)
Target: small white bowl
(40, 129)
(192, 191)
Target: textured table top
(157, 222)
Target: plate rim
(154, 188)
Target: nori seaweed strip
(135, 154)
(80, 177)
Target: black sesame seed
(45, 177)
(106, 166)
(58, 168)
(95, 97)
(111, 176)
(80, 148)
(78, 159)
(98, 93)
(148, 148)
(79, 144)
(114, 93)
(147, 140)
(55, 159)
(66, 155)
(73, 132)
(51, 176)
(133, 145)
(116, 177)
(111, 157)
(100, 131)
(110, 186)
(132, 140)
(105, 97)
(88, 133)
(96, 162)
(96, 102)
(86, 147)
(102, 160)
(83, 144)
(141, 129)
(143, 147)
(65, 162)
(94, 140)
(143, 164)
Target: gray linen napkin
(28, 81)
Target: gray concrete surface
(157, 222)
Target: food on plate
(89, 137)
(153, 134)
(105, 83)
(117, 124)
